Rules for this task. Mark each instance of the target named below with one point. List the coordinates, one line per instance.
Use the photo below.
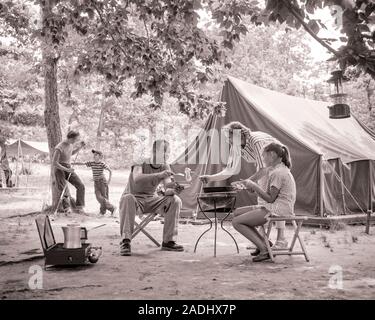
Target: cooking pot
(72, 236)
(218, 189)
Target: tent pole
(206, 164)
(370, 206)
(209, 150)
(321, 186)
(28, 173)
(371, 185)
(18, 156)
(22, 162)
(21, 155)
(342, 187)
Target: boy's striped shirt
(97, 169)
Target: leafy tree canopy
(160, 45)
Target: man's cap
(97, 152)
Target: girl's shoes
(261, 257)
(257, 251)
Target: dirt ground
(347, 254)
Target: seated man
(140, 195)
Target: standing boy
(100, 182)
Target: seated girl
(279, 197)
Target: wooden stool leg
(297, 224)
(303, 248)
(269, 227)
(148, 236)
(142, 224)
(264, 233)
(296, 231)
(140, 228)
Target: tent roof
(28, 147)
(308, 122)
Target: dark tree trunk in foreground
(51, 111)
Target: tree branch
(307, 28)
(148, 37)
(110, 34)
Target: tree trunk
(100, 126)
(369, 93)
(51, 111)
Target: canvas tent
(23, 150)
(19, 147)
(333, 160)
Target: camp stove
(58, 254)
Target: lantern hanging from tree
(340, 109)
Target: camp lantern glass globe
(339, 108)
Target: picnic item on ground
(73, 252)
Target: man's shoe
(257, 251)
(125, 248)
(171, 246)
(261, 257)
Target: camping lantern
(340, 109)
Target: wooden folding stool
(297, 222)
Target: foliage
(156, 43)
(356, 23)
(20, 85)
(15, 19)
(361, 90)
(160, 45)
(117, 57)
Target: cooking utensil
(94, 254)
(179, 174)
(99, 226)
(185, 185)
(72, 236)
(218, 189)
(84, 232)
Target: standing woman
(279, 197)
(248, 145)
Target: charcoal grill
(216, 199)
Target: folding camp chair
(140, 227)
(297, 222)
